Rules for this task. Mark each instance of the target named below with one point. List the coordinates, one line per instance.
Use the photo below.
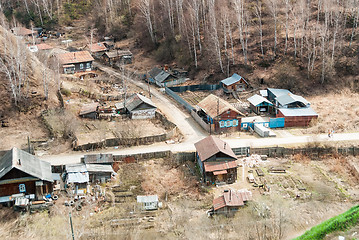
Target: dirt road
(192, 132)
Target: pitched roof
(292, 112)
(278, 92)
(117, 53)
(233, 79)
(256, 100)
(219, 166)
(77, 173)
(88, 108)
(21, 31)
(97, 47)
(210, 146)
(43, 46)
(102, 168)
(214, 106)
(159, 75)
(135, 100)
(263, 93)
(232, 198)
(25, 162)
(75, 57)
(289, 98)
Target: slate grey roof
(278, 92)
(99, 168)
(118, 53)
(135, 100)
(159, 75)
(119, 105)
(233, 79)
(256, 100)
(263, 93)
(291, 98)
(77, 173)
(25, 162)
(147, 199)
(291, 112)
(56, 176)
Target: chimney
(224, 147)
(74, 55)
(19, 162)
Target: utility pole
(72, 229)
(148, 82)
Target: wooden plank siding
(296, 121)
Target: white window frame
(235, 123)
(88, 65)
(81, 66)
(222, 124)
(229, 123)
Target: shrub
(66, 92)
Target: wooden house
(99, 172)
(24, 175)
(77, 178)
(259, 104)
(217, 115)
(234, 83)
(216, 160)
(23, 32)
(140, 107)
(149, 202)
(231, 201)
(117, 57)
(72, 62)
(96, 49)
(160, 77)
(89, 111)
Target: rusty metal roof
(210, 146)
(75, 57)
(88, 108)
(25, 162)
(97, 47)
(215, 106)
(219, 166)
(220, 172)
(232, 198)
(43, 46)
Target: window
(235, 122)
(229, 123)
(22, 188)
(88, 65)
(244, 125)
(81, 66)
(222, 124)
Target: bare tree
(145, 8)
(258, 14)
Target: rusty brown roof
(210, 146)
(21, 31)
(75, 57)
(219, 166)
(215, 106)
(97, 47)
(43, 46)
(88, 108)
(232, 198)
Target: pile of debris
(254, 160)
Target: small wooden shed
(259, 104)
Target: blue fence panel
(179, 99)
(276, 122)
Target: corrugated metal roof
(159, 75)
(219, 166)
(136, 99)
(56, 176)
(88, 108)
(99, 168)
(120, 105)
(233, 79)
(214, 106)
(219, 203)
(75, 57)
(232, 198)
(97, 47)
(21, 31)
(25, 162)
(43, 46)
(77, 173)
(278, 92)
(220, 172)
(256, 100)
(291, 112)
(210, 146)
(98, 158)
(291, 98)
(148, 198)
(154, 72)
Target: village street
(191, 131)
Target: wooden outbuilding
(72, 62)
(89, 110)
(117, 57)
(231, 201)
(234, 83)
(24, 175)
(140, 107)
(216, 160)
(96, 49)
(259, 104)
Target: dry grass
(337, 111)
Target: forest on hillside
(312, 39)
